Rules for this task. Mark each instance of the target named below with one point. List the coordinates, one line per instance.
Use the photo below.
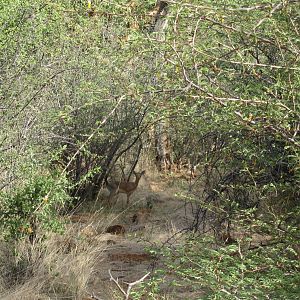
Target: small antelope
(124, 187)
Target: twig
(240, 251)
(130, 285)
(275, 8)
(95, 297)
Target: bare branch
(130, 285)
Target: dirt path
(125, 254)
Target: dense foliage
(37, 203)
(84, 84)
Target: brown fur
(124, 187)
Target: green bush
(34, 206)
(224, 274)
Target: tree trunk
(162, 141)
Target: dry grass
(74, 265)
(59, 267)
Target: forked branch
(130, 285)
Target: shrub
(35, 205)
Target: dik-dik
(125, 187)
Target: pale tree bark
(162, 140)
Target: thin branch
(36, 93)
(92, 134)
(275, 8)
(258, 65)
(130, 285)
(93, 296)
(242, 9)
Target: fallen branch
(130, 285)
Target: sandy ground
(125, 255)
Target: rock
(116, 229)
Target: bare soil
(125, 254)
